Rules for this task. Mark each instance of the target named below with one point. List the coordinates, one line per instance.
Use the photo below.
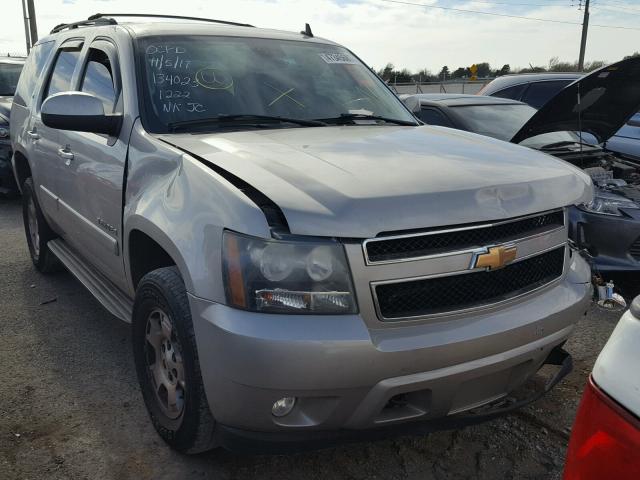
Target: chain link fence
(470, 87)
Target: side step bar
(105, 292)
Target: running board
(105, 292)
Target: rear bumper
(345, 374)
(607, 238)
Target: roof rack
(84, 23)
(179, 17)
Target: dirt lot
(70, 405)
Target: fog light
(283, 406)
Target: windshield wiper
(566, 143)
(344, 118)
(241, 119)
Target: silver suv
(301, 261)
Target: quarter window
(98, 79)
(60, 80)
(514, 92)
(31, 73)
(540, 93)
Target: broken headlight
(283, 276)
(604, 205)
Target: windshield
(201, 77)
(9, 75)
(497, 121)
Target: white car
(605, 441)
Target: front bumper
(345, 373)
(609, 239)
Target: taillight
(605, 442)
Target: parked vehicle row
(301, 260)
(609, 100)
(10, 68)
(536, 89)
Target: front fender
(184, 206)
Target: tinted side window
(513, 93)
(431, 116)
(98, 79)
(31, 73)
(540, 93)
(60, 80)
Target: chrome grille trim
(366, 242)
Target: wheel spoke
(166, 326)
(158, 378)
(172, 397)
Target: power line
(610, 6)
(518, 4)
(611, 9)
(621, 4)
(493, 14)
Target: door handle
(33, 134)
(66, 154)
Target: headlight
(281, 276)
(608, 206)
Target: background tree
(484, 70)
(460, 72)
(505, 70)
(424, 75)
(444, 73)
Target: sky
(405, 33)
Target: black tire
(41, 256)
(192, 431)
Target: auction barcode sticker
(338, 58)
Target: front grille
(458, 292)
(424, 244)
(635, 249)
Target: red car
(605, 442)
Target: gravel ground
(70, 405)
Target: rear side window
(513, 93)
(98, 79)
(60, 80)
(31, 73)
(431, 116)
(540, 93)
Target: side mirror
(412, 103)
(79, 111)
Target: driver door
(93, 164)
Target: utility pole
(583, 41)
(27, 34)
(30, 26)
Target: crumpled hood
(359, 181)
(609, 97)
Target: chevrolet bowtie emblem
(494, 258)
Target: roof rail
(84, 23)
(179, 17)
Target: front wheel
(167, 363)
(37, 230)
